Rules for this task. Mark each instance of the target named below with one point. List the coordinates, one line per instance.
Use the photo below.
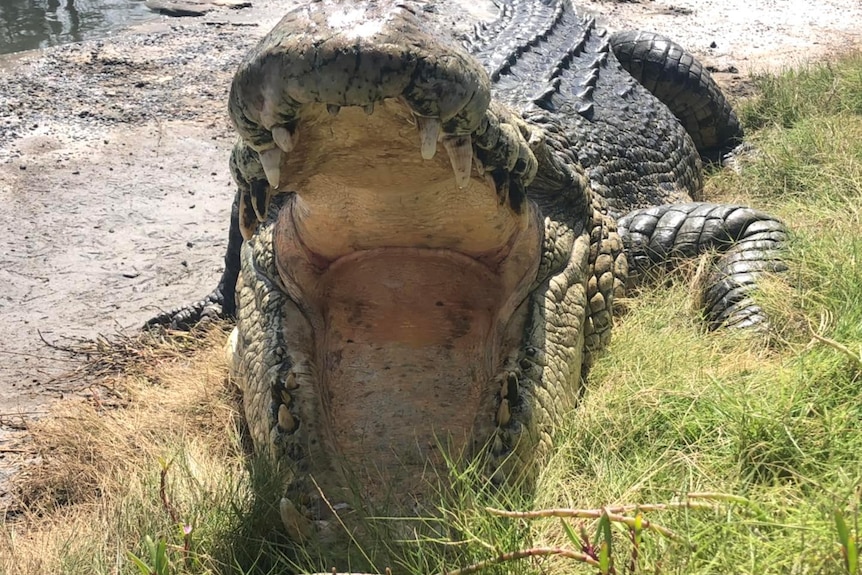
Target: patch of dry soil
(113, 161)
(736, 38)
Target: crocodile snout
(347, 55)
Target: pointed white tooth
(429, 131)
(298, 526)
(504, 414)
(271, 162)
(247, 224)
(260, 200)
(286, 422)
(460, 151)
(480, 167)
(283, 138)
(489, 181)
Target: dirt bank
(113, 161)
(736, 38)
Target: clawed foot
(208, 310)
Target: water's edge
(34, 24)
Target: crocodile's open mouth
(384, 301)
(409, 282)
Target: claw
(429, 131)
(369, 109)
(271, 162)
(284, 139)
(333, 109)
(460, 151)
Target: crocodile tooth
(517, 194)
(271, 162)
(286, 422)
(333, 109)
(503, 413)
(298, 527)
(429, 131)
(460, 151)
(284, 139)
(286, 399)
(501, 187)
(480, 167)
(247, 223)
(498, 477)
(260, 197)
(497, 445)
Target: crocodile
(429, 235)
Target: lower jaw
(394, 351)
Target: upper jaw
(321, 54)
(360, 187)
(320, 62)
(315, 54)
(360, 184)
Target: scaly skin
(677, 79)
(394, 299)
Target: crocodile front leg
(221, 302)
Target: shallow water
(31, 24)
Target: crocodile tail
(747, 243)
(684, 85)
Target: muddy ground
(113, 162)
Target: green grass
(768, 425)
(815, 91)
(778, 420)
